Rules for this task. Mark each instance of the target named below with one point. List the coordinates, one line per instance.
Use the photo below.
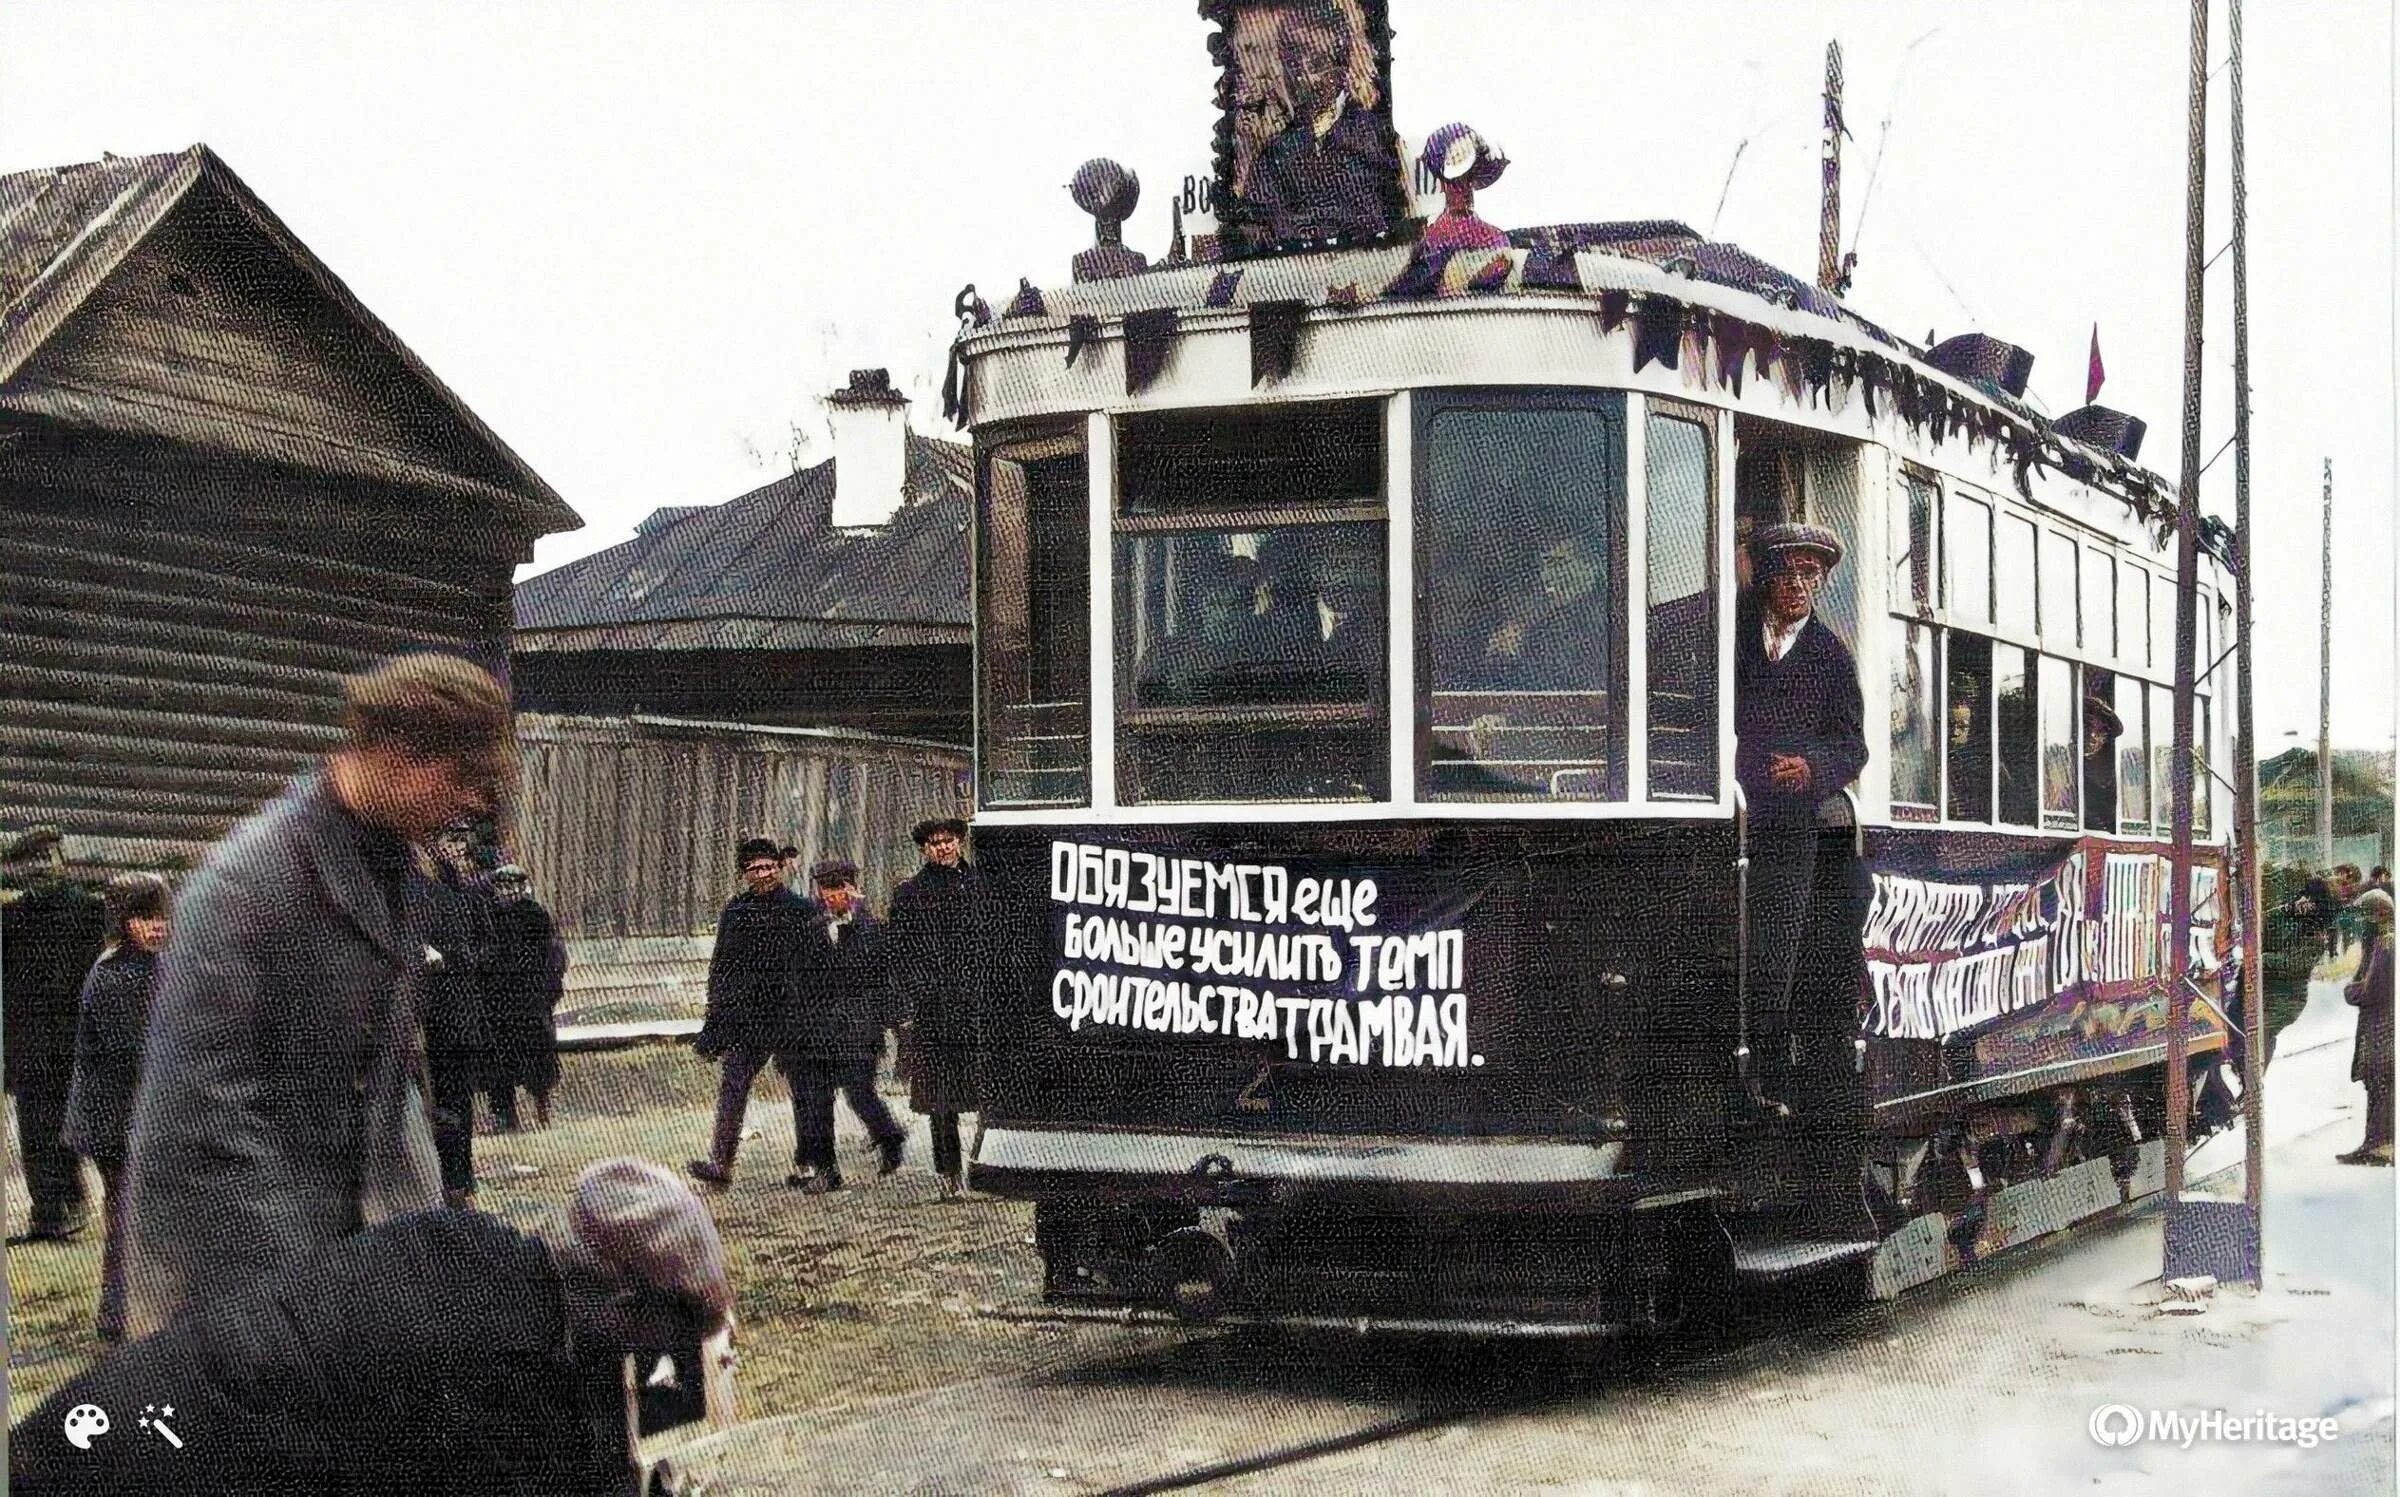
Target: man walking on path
(108, 1063)
(523, 979)
(2371, 1057)
(840, 1009)
(51, 932)
(934, 974)
(458, 935)
(749, 992)
(283, 1099)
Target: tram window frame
(2133, 751)
(2062, 591)
(2016, 576)
(2162, 760)
(2133, 613)
(1918, 736)
(2058, 708)
(1064, 644)
(1915, 544)
(2099, 601)
(1166, 751)
(1611, 407)
(1966, 514)
(1967, 740)
(2016, 738)
(1689, 664)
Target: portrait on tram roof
(1306, 154)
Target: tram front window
(1521, 524)
(1250, 584)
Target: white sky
(641, 239)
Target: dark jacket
(283, 1101)
(458, 926)
(840, 1003)
(931, 947)
(749, 973)
(427, 1355)
(108, 1054)
(49, 937)
(524, 976)
(1808, 704)
(1343, 186)
(2371, 991)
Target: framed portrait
(1306, 156)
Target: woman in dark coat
(108, 1062)
(524, 976)
(2371, 1060)
(931, 940)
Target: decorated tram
(1382, 925)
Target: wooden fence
(628, 825)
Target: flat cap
(1795, 536)
(33, 842)
(755, 848)
(833, 871)
(649, 1227)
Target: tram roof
(1595, 261)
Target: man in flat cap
(841, 1006)
(1800, 737)
(935, 978)
(51, 932)
(749, 993)
(283, 1099)
(440, 1351)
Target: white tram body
(2005, 588)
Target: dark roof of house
(65, 230)
(769, 571)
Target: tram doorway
(1784, 472)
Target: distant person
(284, 1101)
(458, 939)
(2380, 878)
(437, 1352)
(841, 1006)
(749, 993)
(1333, 172)
(1554, 641)
(2320, 903)
(2101, 730)
(2371, 1056)
(524, 976)
(51, 931)
(1216, 657)
(115, 1013)
(789, 856)
(934, 979)
(1800, 737)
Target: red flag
(2093, 377)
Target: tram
(1370, 884)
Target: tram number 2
(1259, 1095)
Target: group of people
(814, 984)
(289, 1272)
(2333, 909)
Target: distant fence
(628, 825)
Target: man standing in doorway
(934, 975)
(51, 932)
(749, 992)
(1800, 735)
(283, 1100)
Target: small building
(835, 597)
(227, 484)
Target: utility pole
(1830, 279)
(2245, 890)
(2187, 580)
(2325, 686)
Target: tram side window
(1250, 584)
(2103, 725)
(1035, 626)
(1916, 750)
(2013, 576)
(1912, 544)
(1683, 607)
(1967, 704)
(1967, 560)
(2162, 759)
(2062, 746)
(2017, 745)
(1521, 503)
(2133, 757)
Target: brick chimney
(870, 449)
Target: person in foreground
(438, 1352)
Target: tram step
(1771, 1262)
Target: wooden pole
(1829, 211)
(2245, 746)
(2187, 580)
(2325, 686)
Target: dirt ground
(857, 1295)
